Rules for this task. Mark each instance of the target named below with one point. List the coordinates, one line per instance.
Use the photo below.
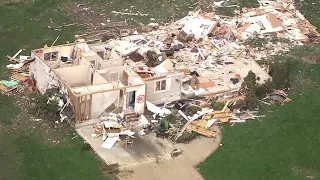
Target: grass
(28, 157)
(24, 152)
(8, 109)
(285, 144)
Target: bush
(280, 72)
(193, 109)
(171, 118)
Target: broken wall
(65, 50)
(172, 90)
(42, 74)
(101, 101)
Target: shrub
(280, 72)
(46, 106)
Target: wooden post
(90, 107)
(80, 108)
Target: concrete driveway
(182, 167)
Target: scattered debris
(279, 96)
(197, 63)
(127, 13)
(175, 153)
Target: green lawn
(24, 152)
(286, 144)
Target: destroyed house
(97, 81)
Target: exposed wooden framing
(61, 45)
(85, 107)
(76, 105)
(109, 90)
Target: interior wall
(111, 63)
(98, 79)
(75, 76)
(107, 73)
(173, 92)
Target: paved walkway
(180, 168)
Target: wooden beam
(55, 41)
(79, 108)
(154, 78)
(85, 107)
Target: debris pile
(278, 97)
(117, 127)
(210, 51)
(19, 72)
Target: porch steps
(133, 116)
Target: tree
(248, 87)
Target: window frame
(50, 56)
(161, 82)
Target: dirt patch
(110, 171)
(84, 14)
(92, 16)
(306, 172)
(312, 59)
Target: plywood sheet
(19, 77)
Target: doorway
(131, 99)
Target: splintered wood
(221, 116)
(200, 125)
(201, 130)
